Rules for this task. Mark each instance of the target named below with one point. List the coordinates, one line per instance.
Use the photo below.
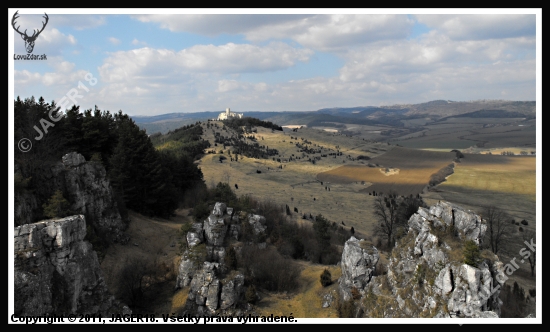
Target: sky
(151, 62)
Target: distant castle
(228, 114)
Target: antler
(35, 34)
(13, 24)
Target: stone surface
(232, 291)
(219, 209)
(257, 223)
(214, 230)
(57, 272)
(86, 186)
(195, 236)
(208, 293)
(358, 262)
(422, 266)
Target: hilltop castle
(228, 114)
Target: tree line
(148, 180)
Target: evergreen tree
(57, 206)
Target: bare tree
(385, 210)
(529, 238)
(499, 227)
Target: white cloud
(481, 26)
(138, 42)
(323, 32)
(433, 52)
(114, 40)
(228, 85)
(215, 24)
(146, 62)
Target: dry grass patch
(410, 171)
(307, 301)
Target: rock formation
(359, 260)
(213, 288)
(87, 188)
(426, 275)
(57, 272)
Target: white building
(228, 114)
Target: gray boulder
(358, 263)
(219, 209)
(214, 230)
(232, 291)
(57, 272)
(257, 223)
(195, 235)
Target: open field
(463, 133)
(506, 181)
(296, 183)
(403, 171)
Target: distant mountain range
(367, 115)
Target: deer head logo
(29, 40)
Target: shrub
(266, 268)
(471, 253)
(346, 309)
(230, 258)
(326, 278)
(355, 294)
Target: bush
(134, 280)
(266, 268)
(326, 278)
(472, 254)
(346, 309)
(230, 258)
(355, 294)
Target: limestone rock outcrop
(358, 263)
(213, 288)
(426, 276)
(57, 272)
(87, 188)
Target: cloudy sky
(149, 62)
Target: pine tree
(57, 206)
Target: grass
(154, 239)
(413, 171)
(480, 180)
(307, 301)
